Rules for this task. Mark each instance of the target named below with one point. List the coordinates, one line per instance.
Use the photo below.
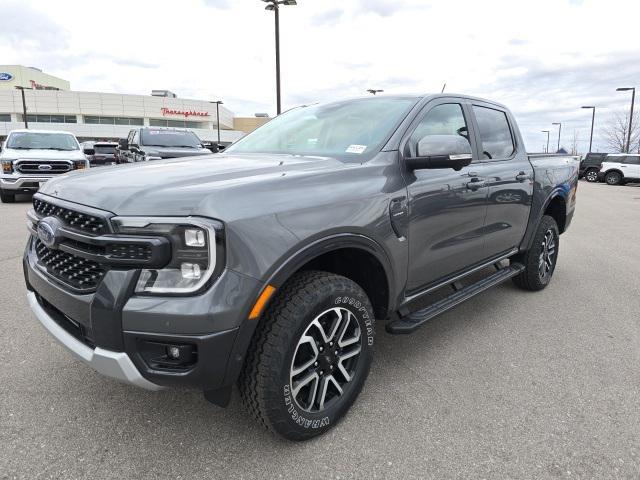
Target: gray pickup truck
(269, 265)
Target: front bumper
(22, 184)
(116, 365)
(116, 332)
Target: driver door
(447, 208)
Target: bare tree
(574, 142)
(615, 131)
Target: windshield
(348, 130)
(105, 149)
(169, 138)
(45, 141)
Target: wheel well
(360, 266)
(557, 209)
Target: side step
(412, 322)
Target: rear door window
(495, 133)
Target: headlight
(80, 164)
(7, 166)
(196, 252)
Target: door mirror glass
(441, 151)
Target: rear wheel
(540, 260)
(7, 197)
(591, 175)
(310, 355)
(613, 178)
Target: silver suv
(31, 157)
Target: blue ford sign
(5, 77)
(47, 231)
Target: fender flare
(535, 222)
(291, 262)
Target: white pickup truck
(31, 157)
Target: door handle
(398, 207)
(476, 183)
(523, 177)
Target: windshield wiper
(22, 148)
(57, 148)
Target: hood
(175, 152)
(37, 154)
(210, 186)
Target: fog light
(195, 237)
(190, 270)
(173, 352)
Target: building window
(51, 118)
(112, 120)
(157, 122)
(5, 117)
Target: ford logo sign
(44, 167)
(48, 231)
(5, 77)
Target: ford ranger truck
(269, 266)
(31, 157)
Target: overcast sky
(543, 59)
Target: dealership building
(51, 104)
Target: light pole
(547, 132)
(218, 103)
(24, 107)
(593, 119)
(559, 132)
(633, 99)
(373, 91)
(275, 6)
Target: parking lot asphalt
(511, 384)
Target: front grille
(43, 167)
(77, 272)
(129, 251)
(74, 219)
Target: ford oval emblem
(5, 77)
(44, 167)
(48, 231)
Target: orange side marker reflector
(261, 302)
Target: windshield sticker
(356, 149)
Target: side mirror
(220, 147)
(89, 151)
(123, 144)
(441, 151)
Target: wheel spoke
(346, 356)
(311, 397)
(305, 340)
(345, 342)
(324, 386)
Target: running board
(413, 321)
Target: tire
(591, 176)
(613, 178)
(540, 260)
(6, 197)
(288, 347)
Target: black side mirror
(89, 151)
(441, 151)
(123, 144)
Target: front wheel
(540, 260)
(591, 176)
(310, 355)
(613, 178)
(6, 197)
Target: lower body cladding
(150, 342)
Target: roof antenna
(443, 87)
